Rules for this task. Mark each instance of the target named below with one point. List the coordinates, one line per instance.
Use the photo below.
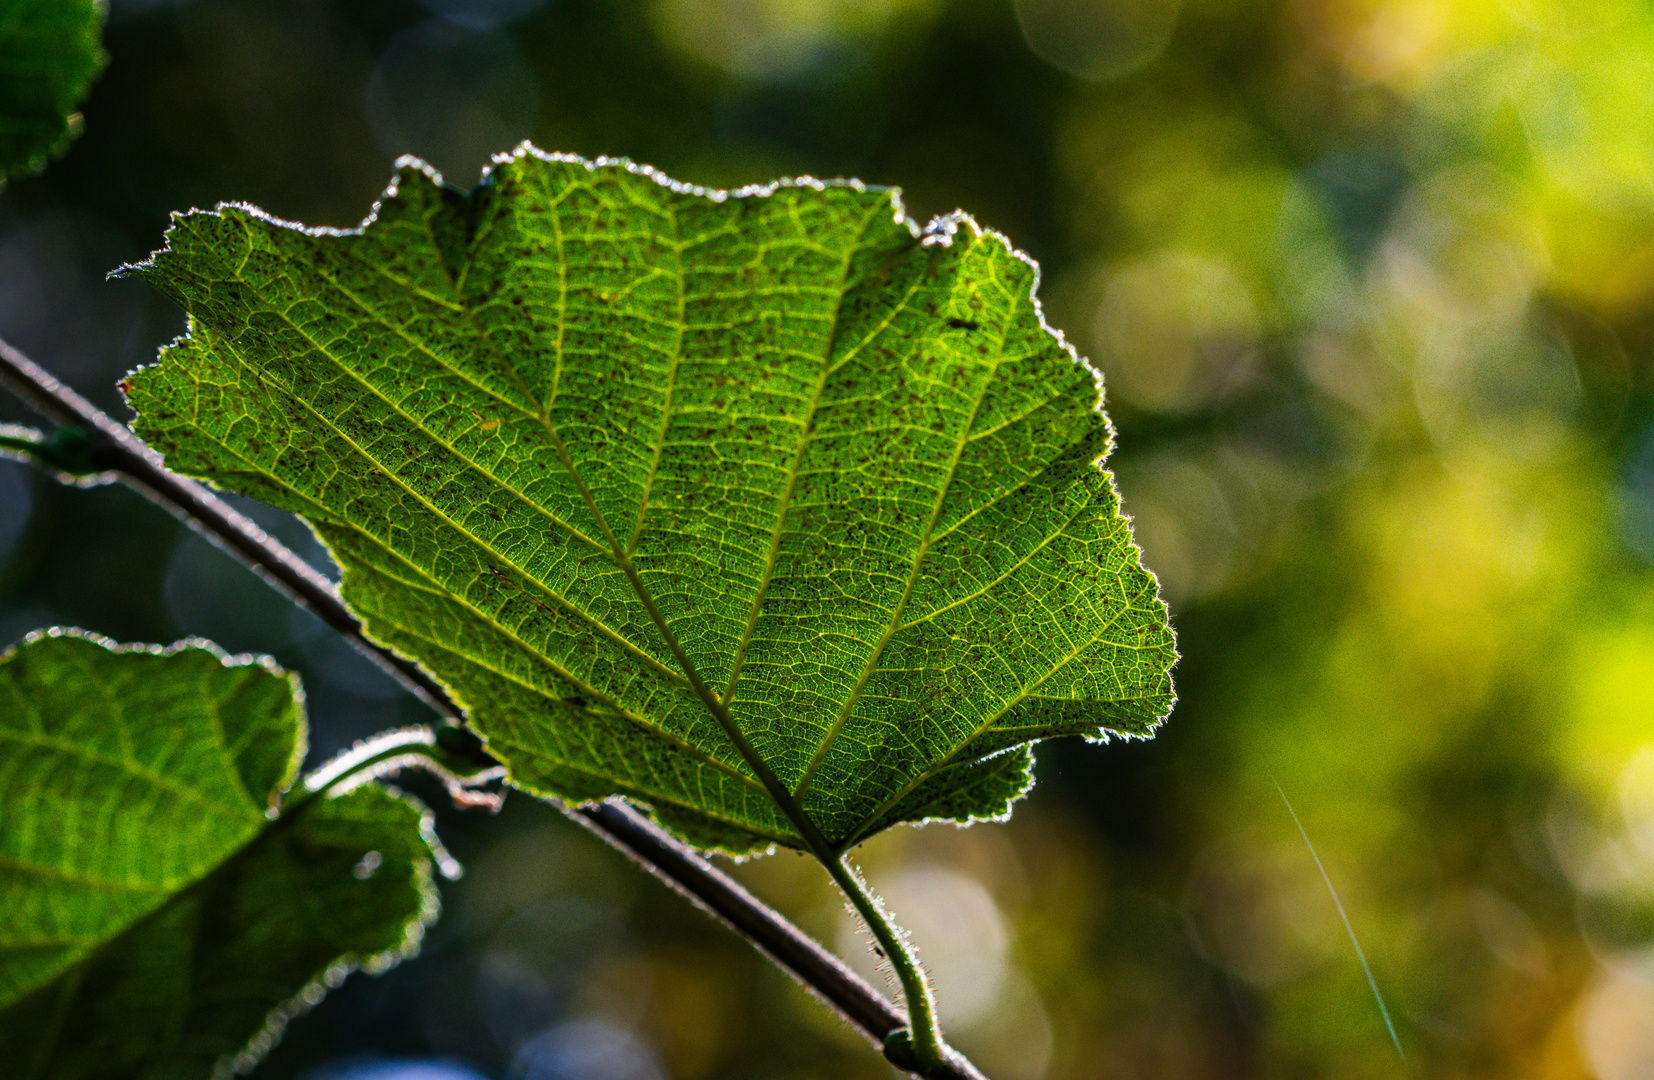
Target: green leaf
(717, 501)
(49, 57)
(164, 913)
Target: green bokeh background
(1372, 284)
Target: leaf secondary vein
(853, 834)
(1027, 558)
(804, 434)
(920, 553)
(374, 315)
(406, 283)
(412, 422)
(72, 877)
(620, 710)
(431, 585)
(215, 716)
(671, 389)
(384, 469)
(126, 765)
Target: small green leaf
(49, 57)
(717, 501)
(162, 916)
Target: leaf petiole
(418, 747)
(70, 450)
(923, 1034)
(924, 1050)
(628, 830)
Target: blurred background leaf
(49, 55)
(1372, 282)
(162, 919)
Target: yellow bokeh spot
(1610, 713)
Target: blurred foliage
(162, 916)
(49, 55)
(1372, 282)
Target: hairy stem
(92, 443)
(924, 1034)
(392, 750)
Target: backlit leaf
(159, 920)
(688, 496)
(49, 55)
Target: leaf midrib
(386, 469)
(624, 713)
(623, 560)
(558, 445)
(806, 431)
(808, 831)
(437, 589)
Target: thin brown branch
(108, 447)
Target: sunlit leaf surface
(690, 497)
(157, 917)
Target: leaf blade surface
(157, 916)
(629, 465)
